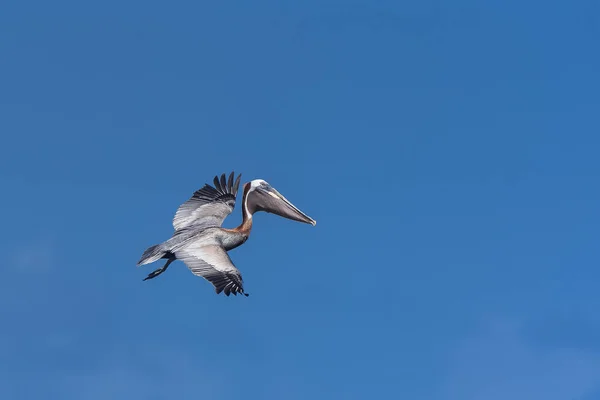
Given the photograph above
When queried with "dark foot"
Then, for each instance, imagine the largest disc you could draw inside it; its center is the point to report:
(160, 270)
(155, 274)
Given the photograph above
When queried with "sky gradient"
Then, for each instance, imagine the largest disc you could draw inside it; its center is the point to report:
(448, 151)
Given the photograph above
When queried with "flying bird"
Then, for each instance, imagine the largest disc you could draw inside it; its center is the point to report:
(202, 243)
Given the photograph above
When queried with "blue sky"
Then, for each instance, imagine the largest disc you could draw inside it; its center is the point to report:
(448, 151)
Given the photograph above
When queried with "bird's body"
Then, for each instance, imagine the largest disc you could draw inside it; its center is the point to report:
(200, 241)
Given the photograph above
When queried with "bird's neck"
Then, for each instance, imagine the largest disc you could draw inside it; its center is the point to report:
(239, 234)
(246, 226)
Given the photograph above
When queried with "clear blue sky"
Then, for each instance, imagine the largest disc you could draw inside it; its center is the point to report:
(447, 150)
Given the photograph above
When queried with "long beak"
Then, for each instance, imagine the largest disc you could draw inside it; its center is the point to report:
(284, 208)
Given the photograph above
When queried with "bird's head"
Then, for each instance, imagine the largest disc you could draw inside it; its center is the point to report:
(261, 196)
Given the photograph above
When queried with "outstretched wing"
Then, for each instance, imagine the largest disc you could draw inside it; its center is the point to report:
(213, 264)
(209, 205)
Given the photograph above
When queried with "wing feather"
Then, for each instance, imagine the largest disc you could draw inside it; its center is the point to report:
(223, 183)
(212, 263)
(230, 184)
(208, 206)
(236, 185)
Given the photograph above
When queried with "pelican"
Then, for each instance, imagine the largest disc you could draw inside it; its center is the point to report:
(200, 241)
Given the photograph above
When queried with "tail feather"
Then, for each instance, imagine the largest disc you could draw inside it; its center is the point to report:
(153, 253)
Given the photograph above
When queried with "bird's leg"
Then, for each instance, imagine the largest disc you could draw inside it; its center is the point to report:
(160, 270)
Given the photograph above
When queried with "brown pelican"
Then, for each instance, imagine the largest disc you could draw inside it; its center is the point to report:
(200, 241)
